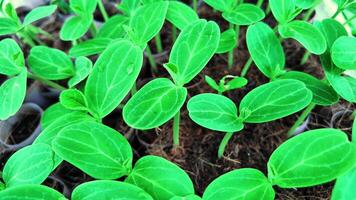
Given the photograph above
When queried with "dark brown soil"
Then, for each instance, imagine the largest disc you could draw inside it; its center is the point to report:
(197, 154)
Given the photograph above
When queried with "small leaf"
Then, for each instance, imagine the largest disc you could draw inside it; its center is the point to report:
(73, 99)
(222, 5)
(12, 60)
(188, 197)
(33, 192)
(284, 12)
(83, 67)
(103, 189)
(228, 41)
(29, 165)
(114, 74)
(90, 47)
(194, 47)
(128, 7)
(12, 94)
(236, 82)
(154, 104)
(244, 14)
(39, 13)
(343, 52)
(323, 94)
(54, 113)
(240, 184)
(305, 33)
(265, 49)
(311, 158)
(75, 27)
(10, 11)
(160, 178)
(211, 82)
(8, 26)
(50, 63)
(274, 100)
(306, 4)
(332, 30)
(215, 112)
(180, 15)
(107, 155)
(113, 28)
(345, 186)
(83, 7)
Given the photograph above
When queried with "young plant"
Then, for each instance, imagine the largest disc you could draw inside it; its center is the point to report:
(161, 99)
(223, 86)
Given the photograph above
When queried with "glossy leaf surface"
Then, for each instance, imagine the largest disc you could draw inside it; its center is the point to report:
(90, 47)
(228, 41)
(244, 14)
(11, 58)
(39, 13)
(343, 53)
(73, 99)
(33, 192)
(83, 67)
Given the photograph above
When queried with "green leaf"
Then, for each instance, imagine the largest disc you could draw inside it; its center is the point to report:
(73, 99)
(188, 197)
(331, 29)
(90, 47)
(160, 178)
(240, 184)
(83, 7)
(311, 158)
(103, 189)
(284, 12)
(193, 49)
(54, 113)
(323, 94)
(11, 58)
(8, 26)
(148, 20)
(180, 15)
(75, 27)
(343, 52)
(154, 104)
(114, 74)
(354, 129)
(306, 4)
(29, 165)
(244, 14)
(265, 49)
(306, 34)
(345, 186)
(341, 3)
(50, 63)
(113, 28)
(10, 11)
(128, 7)
(33, 192)
(274, 100)
(83, 67)
(235, 83)
(107, 155)
(12, 94)
(228, 41)
(222, 5)
(39, 13)
(211, 82)
(214, 112)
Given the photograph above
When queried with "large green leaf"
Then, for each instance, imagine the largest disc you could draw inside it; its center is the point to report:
(306, 4)
(128, 7)
(284, 11)
(244, 14)
(83, 67)
(8, 26)
(113, 28)
(98, 150)
(343, 52)
(222, 5)
(160, 178)
(114, 74)
(345, 185)
(30, 165)
(323, 94)
(240, 184)
(90, 47)
(214, 112)
(83, 7)
(103, 189)
(33, 192)
(331, 29)
(193, 49)
(12, 94)
(265, 49)
(306, 34)
(75, 27)
(188, 197)
(73, 99)
(311, 158)
(11, 58)
(154, 104)
(180, 15)
(274, 100)
(50, 63)
(228, 41)
(39, 13)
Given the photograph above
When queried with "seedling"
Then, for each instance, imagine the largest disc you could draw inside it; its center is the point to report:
(223, 86)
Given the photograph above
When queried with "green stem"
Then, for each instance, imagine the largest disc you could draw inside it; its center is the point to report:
(195, 5)
(305, 58)
(301, 119)
(268, 9)
(134, 89)
(174, 33)
(93, 29)
(102, 10)
(246, 67)
(223, 144)
(44, 81)
(259, 3)
(176, 120)
(159, 43)
(336, 13)
(230, 59)
(151, 59)
(308, 14)
(349, 20)
(27, 39)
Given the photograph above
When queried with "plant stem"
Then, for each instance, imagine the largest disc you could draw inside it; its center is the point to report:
(102, 10)
(308, 14)
(230, 58)
(195, 5)
(158, 43)
(93, 29)
(349, 20)
(336, 13)
(151, 59)
(259, 3)
(301, 119)
(134, 89)
(44, 81)
(174, 33)
(305, 58)
(176, 120)
(27, 39)
(246, 67)
(268, 9)
(223, 144)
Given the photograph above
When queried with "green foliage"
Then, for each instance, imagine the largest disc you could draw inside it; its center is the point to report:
(332, 30)
(73, 99)
(8, 26)
(103, 189)
(113, 28)
(235, 82)
(228, 41)
(50, 63)
(306, 4)
(345, 186)
(128, 7)
(284, 12)
(33, 192)
(11, 58)
(180, 15)
(188, 197)
(39, 13)
(30, 165)
(107, 155)
(83, 7)
(241, 184)
(83, 67)
(53, 113)
(312, 158)
(154, 104)
(221, 5)
(75, 27)
(265, 49)
(244, 14)
(160, 178)
(343, 52)
(90, 47)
